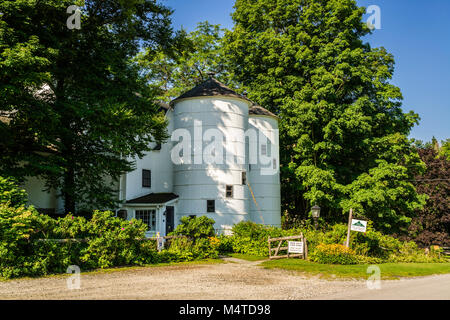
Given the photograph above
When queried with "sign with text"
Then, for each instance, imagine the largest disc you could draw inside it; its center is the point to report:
(295, 247)
(359, 225)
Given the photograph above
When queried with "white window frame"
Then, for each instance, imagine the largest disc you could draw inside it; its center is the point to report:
(152, 219)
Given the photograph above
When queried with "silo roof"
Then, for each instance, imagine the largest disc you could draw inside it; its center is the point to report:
(260, 111)
(211, 87)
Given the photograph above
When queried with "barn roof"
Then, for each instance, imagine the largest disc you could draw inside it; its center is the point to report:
(154, 198)
(211, 87)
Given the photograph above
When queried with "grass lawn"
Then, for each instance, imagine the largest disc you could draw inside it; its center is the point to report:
(247, 257)
(388, 270)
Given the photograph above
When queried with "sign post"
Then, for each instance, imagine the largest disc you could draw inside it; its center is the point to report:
(350, 215)
(359, 225)
(295, 246)
(159, 242)
(354, 225)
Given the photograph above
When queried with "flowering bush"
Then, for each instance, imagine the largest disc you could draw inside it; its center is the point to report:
(334, 254)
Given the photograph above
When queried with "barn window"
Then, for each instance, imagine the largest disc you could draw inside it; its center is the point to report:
(244, 178)
(229, 191)
(148, 217)
(146, 178)
(264, 149)
(210, 206)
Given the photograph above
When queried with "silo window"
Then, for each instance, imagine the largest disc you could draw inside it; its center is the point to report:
(264, 149)
(229, 191)
(210, 206)
(146, 178)
(122, 214)
(157, 147)
(244, 178)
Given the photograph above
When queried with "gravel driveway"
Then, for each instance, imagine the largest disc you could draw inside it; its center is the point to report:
(237, 279)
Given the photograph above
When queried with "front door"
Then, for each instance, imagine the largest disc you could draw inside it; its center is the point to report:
(170, 219)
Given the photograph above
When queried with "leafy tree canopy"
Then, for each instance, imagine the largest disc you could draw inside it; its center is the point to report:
(74, 106)
(342, 129)
(196, 55)
(11, 194)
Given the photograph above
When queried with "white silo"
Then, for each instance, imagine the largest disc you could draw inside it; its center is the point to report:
(204, 188)
(264, 176)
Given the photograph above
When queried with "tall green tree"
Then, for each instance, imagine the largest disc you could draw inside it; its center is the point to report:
(75, 108)
(342, 130)
(192, 58)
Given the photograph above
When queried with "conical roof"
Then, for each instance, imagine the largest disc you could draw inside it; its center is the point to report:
(209, 88)
(260, 111)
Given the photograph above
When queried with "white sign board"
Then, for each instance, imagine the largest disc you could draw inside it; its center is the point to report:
(160, 243)
(295, 247)
(359, 225)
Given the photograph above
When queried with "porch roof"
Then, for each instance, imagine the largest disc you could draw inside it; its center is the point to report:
(154, 198)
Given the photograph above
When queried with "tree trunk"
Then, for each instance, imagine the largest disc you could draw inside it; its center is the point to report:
(69, 191)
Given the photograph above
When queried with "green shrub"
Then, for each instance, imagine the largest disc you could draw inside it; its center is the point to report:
(195, 227)
(200, 241)
(112, 241)
(11, 193)
(251, 238)
(371, 247)
(334, 254)
(225, 244)
(19, 226)
(108, 241)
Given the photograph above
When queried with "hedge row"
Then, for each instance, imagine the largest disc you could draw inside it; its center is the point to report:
(370, 247)
(110, 242)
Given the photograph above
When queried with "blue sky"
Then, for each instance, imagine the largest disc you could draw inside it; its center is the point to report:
(416, 32)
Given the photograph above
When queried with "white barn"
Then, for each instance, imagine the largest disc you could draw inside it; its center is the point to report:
(169, 183)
